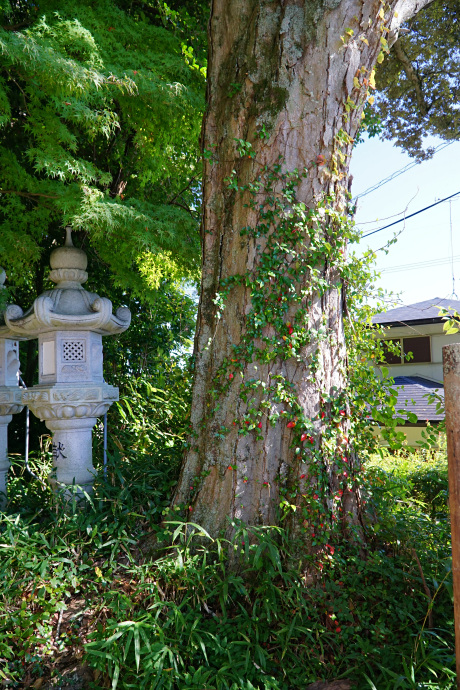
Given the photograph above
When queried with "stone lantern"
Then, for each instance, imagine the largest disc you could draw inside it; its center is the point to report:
(69, 323)
(10, 395)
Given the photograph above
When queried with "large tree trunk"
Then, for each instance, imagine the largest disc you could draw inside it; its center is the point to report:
(290, 77)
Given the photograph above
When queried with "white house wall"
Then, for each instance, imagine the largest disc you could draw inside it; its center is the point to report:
(429, 370)
(414, 438)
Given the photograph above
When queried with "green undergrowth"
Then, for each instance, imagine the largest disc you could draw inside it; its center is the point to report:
(422, 472)
(77, 590)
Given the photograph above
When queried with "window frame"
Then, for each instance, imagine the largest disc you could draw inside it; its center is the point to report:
(401, 339)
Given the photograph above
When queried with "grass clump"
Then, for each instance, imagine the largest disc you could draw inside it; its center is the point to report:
(79, 593)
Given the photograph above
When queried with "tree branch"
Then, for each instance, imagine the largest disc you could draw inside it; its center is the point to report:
(15, 27)
(412, 75)
(403, 11)
(192, 179)
(28, 195)
(185, 208)
(21, 90)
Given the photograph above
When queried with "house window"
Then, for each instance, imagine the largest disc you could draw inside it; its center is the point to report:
(393, 355)
(411, 350)
(419, 347)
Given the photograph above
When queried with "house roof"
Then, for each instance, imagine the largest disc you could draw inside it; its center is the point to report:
(418, 313)
(412, 396)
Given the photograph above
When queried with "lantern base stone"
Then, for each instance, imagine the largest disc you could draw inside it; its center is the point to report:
(4, 462)
(72, 453)
(10, 404)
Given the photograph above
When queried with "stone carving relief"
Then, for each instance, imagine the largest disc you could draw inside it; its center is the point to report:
(69, 410)
(10, 400)
(12, 408)
(68, 402)
(73, 369)
(31, 396)
(77, 394)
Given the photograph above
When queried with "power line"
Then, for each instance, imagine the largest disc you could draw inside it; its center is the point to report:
(396, 174)
(454, 294)
(402, 220)
(422, 264)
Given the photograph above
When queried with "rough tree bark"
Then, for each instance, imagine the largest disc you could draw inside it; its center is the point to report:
(291, 78)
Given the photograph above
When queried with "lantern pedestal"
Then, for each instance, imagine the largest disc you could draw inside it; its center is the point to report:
(10, 404)
(70, 413)
(10, 400)
(4, 462)
(72, 453)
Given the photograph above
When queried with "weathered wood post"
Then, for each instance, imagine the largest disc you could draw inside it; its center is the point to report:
(451, 363)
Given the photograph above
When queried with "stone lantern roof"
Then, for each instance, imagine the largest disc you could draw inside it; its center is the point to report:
(68, 306)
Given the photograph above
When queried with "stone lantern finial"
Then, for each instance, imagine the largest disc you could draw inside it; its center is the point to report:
(68, 264)
(68, 236)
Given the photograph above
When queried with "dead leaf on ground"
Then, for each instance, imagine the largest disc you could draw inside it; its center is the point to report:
(331, 685)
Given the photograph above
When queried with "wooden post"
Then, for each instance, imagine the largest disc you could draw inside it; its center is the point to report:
(451, 363)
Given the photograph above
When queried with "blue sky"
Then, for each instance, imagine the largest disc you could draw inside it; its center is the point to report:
(423, 238)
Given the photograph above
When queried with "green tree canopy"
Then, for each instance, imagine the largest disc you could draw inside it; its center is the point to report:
(100, 110)
(419, 83)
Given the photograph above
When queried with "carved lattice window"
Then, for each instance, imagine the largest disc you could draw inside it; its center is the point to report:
(73, 351)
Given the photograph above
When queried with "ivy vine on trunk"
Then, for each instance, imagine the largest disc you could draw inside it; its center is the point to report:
(271, 415)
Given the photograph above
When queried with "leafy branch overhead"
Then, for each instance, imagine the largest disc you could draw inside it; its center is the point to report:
(419, 82)
(100, 110)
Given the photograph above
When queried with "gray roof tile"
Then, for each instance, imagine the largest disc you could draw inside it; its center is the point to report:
(412, 396)
(420, 312)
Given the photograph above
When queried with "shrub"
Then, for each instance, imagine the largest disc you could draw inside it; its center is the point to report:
(76, 586)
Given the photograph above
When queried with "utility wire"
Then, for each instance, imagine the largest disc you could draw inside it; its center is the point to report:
(422, 264)
(401, 220)
(396, 174)
(26, 457)
(454, 294)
